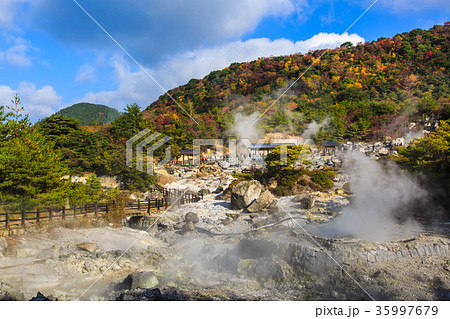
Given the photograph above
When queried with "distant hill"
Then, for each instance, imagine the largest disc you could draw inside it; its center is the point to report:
(88, 113)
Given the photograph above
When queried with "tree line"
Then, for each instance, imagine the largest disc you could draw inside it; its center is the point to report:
(37, 161)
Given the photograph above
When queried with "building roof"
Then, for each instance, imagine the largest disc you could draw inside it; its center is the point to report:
(190, 152)
(330, 144)
(268, 146)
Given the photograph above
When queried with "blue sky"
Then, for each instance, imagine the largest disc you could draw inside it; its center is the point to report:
(53, 55)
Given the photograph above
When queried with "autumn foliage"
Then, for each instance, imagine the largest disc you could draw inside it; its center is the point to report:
(367, 90)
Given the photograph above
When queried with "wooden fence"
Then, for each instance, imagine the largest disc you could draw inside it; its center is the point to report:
(168, 198)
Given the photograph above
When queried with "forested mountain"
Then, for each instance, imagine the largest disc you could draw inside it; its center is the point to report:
(88, 113)
(366, 91)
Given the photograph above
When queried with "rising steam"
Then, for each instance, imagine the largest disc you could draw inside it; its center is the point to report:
(245, 129)
(379, 195)
(312, 129)
(410, 136)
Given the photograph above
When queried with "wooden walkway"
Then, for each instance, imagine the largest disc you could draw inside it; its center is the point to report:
(167, 198)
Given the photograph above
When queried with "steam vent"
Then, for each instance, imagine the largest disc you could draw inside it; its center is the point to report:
(234, 240)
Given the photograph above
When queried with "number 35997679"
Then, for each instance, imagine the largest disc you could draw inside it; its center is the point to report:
(407, 310)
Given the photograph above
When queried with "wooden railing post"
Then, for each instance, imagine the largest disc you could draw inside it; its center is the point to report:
(74, 211)
(23, 217)
(139, 205)
(157, 204)
(50, 214)
(106, 208)
(7, 219)
(64, 213)
(96, 209)
(38, 215)
(148, 206)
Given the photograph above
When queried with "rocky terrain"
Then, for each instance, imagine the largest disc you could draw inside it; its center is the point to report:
(239, 246)
(270, 264)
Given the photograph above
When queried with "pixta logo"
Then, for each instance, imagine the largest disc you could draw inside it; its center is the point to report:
(143, 144)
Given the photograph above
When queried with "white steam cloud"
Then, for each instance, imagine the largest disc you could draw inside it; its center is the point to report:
(244, 128)
(312, 129)
(410, 136)
(378, 195)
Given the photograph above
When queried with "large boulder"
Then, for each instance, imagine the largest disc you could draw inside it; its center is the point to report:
(89, 247)
(8, 293)
(165, 179)
(263, 201)
(266, 270)
(244, 193)
(191, 217)
(188, 227)
(41, 297)
(142, 294)
(145, 280)
(6, 296)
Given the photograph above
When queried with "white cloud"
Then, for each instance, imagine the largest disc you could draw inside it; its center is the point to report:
(242, 16)
(6, 17)
(37, 102)
(7, 13)
(138, 87)
(86, 74)
(154, 29)
(132, 87)
(6, 95)
(406, 6)
(198, 63)
(17, 54)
